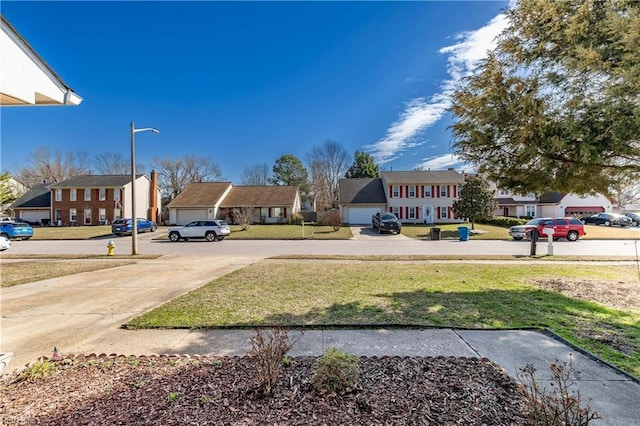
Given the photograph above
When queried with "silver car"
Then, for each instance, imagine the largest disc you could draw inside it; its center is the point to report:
(210, 230)
(5, 243)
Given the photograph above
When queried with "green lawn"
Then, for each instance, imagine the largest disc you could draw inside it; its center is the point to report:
(70, 232)
(301, 293)
(289, 232)
(450, 231)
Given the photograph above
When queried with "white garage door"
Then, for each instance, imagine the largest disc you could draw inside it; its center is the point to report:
(34, 215)
(184, 216)
(361, 215)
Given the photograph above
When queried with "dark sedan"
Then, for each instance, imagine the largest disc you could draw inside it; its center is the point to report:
(607, 219)
(635, 218)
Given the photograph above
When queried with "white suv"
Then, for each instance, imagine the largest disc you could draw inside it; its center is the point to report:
(210, 230)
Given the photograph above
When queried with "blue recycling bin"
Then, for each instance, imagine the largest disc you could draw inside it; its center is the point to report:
(464, 233)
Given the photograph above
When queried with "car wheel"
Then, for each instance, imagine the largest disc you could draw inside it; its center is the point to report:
(517, 238)
(572, 236)
(174, 236)
(26, 238)
(210, 236)
(154, 228)
(634, 223)
(607, 223)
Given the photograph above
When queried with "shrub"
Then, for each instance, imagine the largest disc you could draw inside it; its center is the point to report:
(268, 351)
(559, 406)
(330, 218)
(336, 372)
(296, 219)
(503, 221)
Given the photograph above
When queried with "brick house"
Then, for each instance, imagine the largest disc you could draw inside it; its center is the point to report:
(101, 199)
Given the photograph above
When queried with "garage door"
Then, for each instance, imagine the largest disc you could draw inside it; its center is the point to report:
(34, 216)
(184, 216)
(361, 215)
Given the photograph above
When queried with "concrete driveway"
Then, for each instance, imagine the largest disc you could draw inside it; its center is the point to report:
(367, 233)
(68, 311)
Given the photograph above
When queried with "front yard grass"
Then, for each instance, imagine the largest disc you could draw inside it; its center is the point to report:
(22, 272)
(70, 232)
(299, 293)
(450, 231)
(289, 232)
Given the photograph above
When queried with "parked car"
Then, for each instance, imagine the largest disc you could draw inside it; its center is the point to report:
(570, 228)
(635, 218)
(210, 230)
(386, 222)
(5, 243)
(607, 219)
(124, 227)
(7, 219)
(16, 230)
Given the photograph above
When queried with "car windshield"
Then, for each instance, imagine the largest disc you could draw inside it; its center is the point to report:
(223, 223)
(388, 217)
(535, 222)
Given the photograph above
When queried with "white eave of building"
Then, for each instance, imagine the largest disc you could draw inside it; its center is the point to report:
(25, 78)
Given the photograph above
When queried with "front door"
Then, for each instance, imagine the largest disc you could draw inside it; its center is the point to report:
(427, 214)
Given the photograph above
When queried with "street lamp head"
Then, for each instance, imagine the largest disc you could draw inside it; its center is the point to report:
(154, 130)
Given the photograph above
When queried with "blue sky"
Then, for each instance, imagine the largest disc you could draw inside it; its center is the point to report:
(246, 82)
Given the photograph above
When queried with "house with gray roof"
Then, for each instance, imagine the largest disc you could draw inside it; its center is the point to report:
(101, 199)
(34, 206)
(413, 196)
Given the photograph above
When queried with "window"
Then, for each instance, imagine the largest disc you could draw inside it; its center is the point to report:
(443, 212)
(396, 191)
(530, 210)
(73, 215)
(412, 212)
(427, 191)
(396, 211)
(102, 194)
(277, 212)
(73, 194)
(87, 216)
(443, 190)
(412, 191)
(102, 215)
(503, 192)
(116, 195)
(58, 194)
(87, 194)
(58, 215)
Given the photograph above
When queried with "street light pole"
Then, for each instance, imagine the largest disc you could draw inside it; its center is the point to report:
(134, 218)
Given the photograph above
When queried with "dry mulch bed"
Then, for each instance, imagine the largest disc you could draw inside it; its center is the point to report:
(223, 391)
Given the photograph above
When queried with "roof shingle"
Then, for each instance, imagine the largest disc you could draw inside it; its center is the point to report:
(200, 194)
(362, 191)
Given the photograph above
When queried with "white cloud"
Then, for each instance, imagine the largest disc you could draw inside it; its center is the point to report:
(441, 162)
(421, 113)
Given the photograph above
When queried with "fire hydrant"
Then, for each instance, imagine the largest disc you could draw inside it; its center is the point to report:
(111, 246)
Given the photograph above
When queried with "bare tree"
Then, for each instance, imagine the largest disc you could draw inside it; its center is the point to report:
(256, 175)
(244, 216)
(327, 164)
(174, 174)
(626, 191)
(45, 166)
(112, 163)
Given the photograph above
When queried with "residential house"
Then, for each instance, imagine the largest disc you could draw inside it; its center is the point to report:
(217, 200)
(26, 78)
(551, 204)
(13, 186)
(271, 204)
(101, 199)
(34, 205)
(199, 200)
(360, 198)
(413, 196)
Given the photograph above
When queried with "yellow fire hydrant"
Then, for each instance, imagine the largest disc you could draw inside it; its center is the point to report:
(111, 246)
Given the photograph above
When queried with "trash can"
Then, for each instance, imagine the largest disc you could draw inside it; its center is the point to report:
(464, 233)
(435, 233)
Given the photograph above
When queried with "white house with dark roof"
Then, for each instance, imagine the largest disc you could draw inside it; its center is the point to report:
(413, 196)
(34, 206)
(552, 204)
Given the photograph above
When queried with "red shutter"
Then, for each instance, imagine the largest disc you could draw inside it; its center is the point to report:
(449, 212)
(417, 212)
(390, 191)
(406, 191)
(433, 191)
(400, 190)
(390, 209)
(448, 191)
(406, 210)
(438, 213)
(399, 212)
(421, 191)
(455, 191)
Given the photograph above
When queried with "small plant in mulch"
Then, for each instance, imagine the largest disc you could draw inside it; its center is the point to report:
(268, 354)
(557, 405)
(336, 372)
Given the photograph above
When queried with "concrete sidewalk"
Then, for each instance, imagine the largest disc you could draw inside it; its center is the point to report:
(615, 396)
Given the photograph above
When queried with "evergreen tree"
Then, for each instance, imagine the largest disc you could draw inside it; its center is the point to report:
(475, 200)
(363, 166)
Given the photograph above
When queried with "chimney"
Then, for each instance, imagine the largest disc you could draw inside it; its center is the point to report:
(152, 213)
